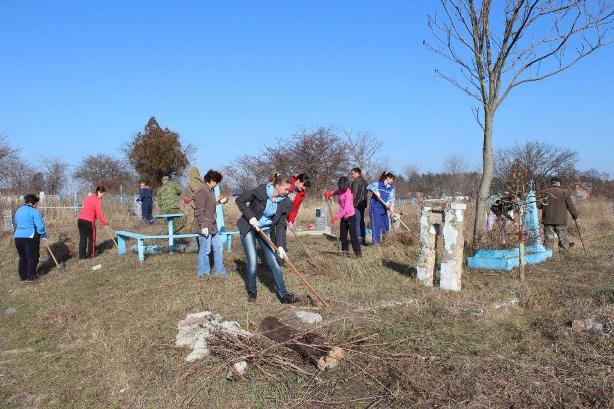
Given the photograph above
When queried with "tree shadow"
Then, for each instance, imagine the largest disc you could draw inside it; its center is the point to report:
(262, 274)
(60, 250)
(401, 268)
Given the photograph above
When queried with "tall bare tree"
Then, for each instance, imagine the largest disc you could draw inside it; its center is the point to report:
(499, 45)
(363, 149)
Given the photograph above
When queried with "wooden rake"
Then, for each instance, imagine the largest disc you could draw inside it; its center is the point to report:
(295, 270)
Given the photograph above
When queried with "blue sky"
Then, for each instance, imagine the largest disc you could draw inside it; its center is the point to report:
(81, 77)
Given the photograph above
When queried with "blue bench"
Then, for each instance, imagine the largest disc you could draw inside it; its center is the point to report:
(123, 236)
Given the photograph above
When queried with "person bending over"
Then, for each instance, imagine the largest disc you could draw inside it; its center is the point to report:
(264, 210)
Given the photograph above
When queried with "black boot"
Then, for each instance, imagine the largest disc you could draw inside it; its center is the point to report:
(251, 297)
(288, 299)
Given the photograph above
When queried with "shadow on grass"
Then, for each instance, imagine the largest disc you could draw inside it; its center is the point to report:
(262, 274)
(60, 250)
(104, 246)
(401, 268)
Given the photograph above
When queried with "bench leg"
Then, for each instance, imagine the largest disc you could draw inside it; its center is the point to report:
(229, 243)
(121, 245)
(141, 249)
(171, 239)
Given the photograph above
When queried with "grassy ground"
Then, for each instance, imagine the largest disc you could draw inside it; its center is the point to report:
(83, 338)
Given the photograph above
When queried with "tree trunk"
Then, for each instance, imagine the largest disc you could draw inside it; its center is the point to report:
(488, 169)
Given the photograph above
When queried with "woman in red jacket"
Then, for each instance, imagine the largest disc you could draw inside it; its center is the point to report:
(90, 212)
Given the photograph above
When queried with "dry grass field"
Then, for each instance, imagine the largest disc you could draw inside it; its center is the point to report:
(82, 338)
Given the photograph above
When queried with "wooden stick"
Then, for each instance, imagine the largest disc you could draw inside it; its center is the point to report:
(111, 236)
(386, 206)
(294, 269)
(51, 252)
(580, 235)
(306, 252)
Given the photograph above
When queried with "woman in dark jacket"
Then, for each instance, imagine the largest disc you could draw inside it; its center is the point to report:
(265, 208)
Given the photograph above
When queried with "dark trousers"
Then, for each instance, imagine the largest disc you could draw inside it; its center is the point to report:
(361, 229)
(86, 238)
(344, 226)
(146, 210)
(29, 252)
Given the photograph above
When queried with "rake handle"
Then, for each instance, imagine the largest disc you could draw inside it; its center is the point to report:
(385, 205)
(295, 270)
(111, 236)
(51, 253)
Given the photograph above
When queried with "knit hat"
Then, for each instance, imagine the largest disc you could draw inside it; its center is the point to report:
(555, 179)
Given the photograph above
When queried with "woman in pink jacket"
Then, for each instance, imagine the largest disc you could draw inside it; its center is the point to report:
(346, 216)
(90, 212)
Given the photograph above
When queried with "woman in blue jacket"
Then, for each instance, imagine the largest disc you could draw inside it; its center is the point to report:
(265, 208)
(29, 229)
(383, 191)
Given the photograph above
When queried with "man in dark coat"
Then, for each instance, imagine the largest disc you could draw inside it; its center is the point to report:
(555, 203)
(359, 192)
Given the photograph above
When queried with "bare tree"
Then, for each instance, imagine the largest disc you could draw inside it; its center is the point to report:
(37, 183)
(541, 161)
(457, 167)
(320, 153)
(363, 149)
(528, 40)
(411, 171)
(18, 177)
(8, 156)
(56, 175)
(104, 170)
(456, 164)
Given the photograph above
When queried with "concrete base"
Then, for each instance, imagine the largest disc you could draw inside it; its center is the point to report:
(508, 259)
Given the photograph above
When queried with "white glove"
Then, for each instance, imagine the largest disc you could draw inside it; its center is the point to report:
(281, 252)
(254, 222)
(205, 231)
(224, 200)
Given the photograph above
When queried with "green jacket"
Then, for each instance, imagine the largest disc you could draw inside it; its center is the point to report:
(169, 195)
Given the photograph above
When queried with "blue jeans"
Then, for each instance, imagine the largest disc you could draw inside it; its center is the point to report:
(205, 245)
(361, 230)
(249, 245)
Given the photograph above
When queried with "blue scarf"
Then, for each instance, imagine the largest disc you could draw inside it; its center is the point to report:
(271, 207)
